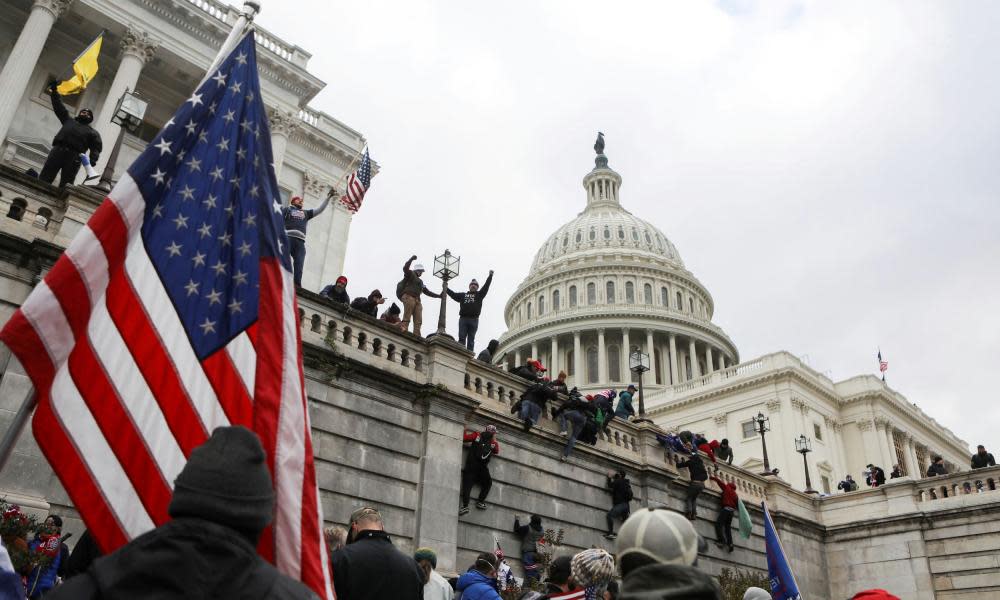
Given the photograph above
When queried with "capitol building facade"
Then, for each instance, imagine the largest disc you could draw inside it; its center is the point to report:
(607, 284)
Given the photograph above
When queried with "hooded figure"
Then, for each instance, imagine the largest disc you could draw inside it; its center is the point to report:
(391, 315)
(222, 501)
(74, 138)
(489, 355)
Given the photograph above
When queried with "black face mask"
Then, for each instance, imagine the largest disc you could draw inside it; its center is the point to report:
(85, 118)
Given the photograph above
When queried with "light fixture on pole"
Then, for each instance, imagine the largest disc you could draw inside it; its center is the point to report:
(763, 426)
(445, 268)
(128, 115)
(804, 446)
(638, 363)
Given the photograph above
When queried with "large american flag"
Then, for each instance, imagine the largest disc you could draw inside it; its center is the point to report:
(357, 185)
(172, 313)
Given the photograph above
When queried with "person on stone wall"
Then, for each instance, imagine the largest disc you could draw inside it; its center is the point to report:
(699, 475)
(369, 567)
(724, 522)
(937, 467)
(482, 447)
(531, 405)
(875, 476)
(489, 354)
(369, 305)
(409, 291)
(296, 219)
(531, 533)
(531, 370)
(337, 291)
(471, 306)
(391, 316)
(621, 494)
(723, 451)
(574, 413)
(897, 472)
(559, 383)
(74, 138)
(624, 410)
(982, 459)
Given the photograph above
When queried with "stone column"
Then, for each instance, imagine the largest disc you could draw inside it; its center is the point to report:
(911, 457)
(137, 49)
(892, 448)
(578, 377)
(283, 125)
(673, 359)
(651, 349)
(693, 355)
(887, 458)
(709, 363)
(517, 357)
(602, 358)
(554, 357)
(722, 360)
(534, 350)
(335, 254)
(869, 438)
(626, 344)
(24, 58)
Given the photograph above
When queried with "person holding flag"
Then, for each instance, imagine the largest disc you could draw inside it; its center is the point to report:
(75, 138)
(779, 572)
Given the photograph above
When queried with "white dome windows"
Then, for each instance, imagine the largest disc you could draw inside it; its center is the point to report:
(555, 300)
(593, 234)
(635, 235)
(621, 232)
(665, 296)
(592, 365)
(680, 301)
(591, 293)
(629, 292)
(610, 292)
(607, 232)
(579, 237)
(647, 293)
(529, 310)
(541, 305)
(572, 296)
(649, 240)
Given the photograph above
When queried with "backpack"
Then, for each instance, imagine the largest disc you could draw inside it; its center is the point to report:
(599, 417)
(399, 288)
(628, 491)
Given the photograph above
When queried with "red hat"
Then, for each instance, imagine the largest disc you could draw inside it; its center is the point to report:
(537, 364)
(874, 595)
(294, 198)
(341, 279)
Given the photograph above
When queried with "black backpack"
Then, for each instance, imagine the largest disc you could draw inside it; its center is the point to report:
(399, 288)
(628, 491)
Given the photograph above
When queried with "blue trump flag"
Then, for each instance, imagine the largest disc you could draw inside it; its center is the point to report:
(783, 586)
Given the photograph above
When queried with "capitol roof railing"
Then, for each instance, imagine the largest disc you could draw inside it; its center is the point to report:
(749, 369)
(228, 14)
(330, 125)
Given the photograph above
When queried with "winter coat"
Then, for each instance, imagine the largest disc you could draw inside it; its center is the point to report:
(575, 403)
(370, 568)
(669, 582)
(473, 585)
(981, 461)
(185, 558)
(366, 305)
(729, 495)
(529, 536)
(876, 477)
(471, 302)
(624, 409)
(480, 451)
(848, 485)
(724, 453)
(936, 469)
(525, 372)
(297, 219)
(336, 295)
(540, 394)
(413, 285)
(488, 355)
(621, 490)
(707, 449)
(41, 580)
(78, 137)
(695, 467)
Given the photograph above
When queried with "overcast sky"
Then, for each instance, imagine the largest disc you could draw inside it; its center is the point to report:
(830, 171)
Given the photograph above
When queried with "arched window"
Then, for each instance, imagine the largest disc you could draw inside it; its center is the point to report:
(664, 297)
(529, 310)
(572, 296)
(565, 240)
(647, 293)
(592, 365)
(614, 364)
(607, 233)
(591, 293)
(610, 292)
(17, 208)
(635, 234)
(579, 237)
(629, 292)
(680, 302)
(43, 218)
(691, 305)
(541, 305)
(648, 240)
(555, 300)
(570, 363)
(621, 232)
(593, 234)
(656, 366)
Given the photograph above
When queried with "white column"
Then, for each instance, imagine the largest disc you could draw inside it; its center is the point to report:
(24, 58)
(283, 124)
(137, 49)
(709, 363)
(578, 377)
(335, 252)
(626, 343)
(693, 356)
(873, 449)
(911, 457)
(722, 360)
(534, 350)
(554, 357)
(673, 358)
(651, 350)
(517, 357)
(602, 359)
(891, 447)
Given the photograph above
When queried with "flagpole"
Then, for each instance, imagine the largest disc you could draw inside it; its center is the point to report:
(250, 10)
(13, 432)
(349, 169)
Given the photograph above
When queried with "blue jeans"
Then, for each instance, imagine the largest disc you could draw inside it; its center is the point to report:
(467, 327)
(530, 562)
(577, 420)
(530, 412)
(618, 511)
(297, 248)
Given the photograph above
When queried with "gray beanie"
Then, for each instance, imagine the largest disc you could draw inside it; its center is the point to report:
(656, 535)
(226, 481)
(755, 593)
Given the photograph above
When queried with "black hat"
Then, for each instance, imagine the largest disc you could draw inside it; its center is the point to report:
(560, 570)
(226, 481)
(536, 520)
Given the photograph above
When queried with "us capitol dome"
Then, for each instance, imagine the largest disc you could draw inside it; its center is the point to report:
(604, 285)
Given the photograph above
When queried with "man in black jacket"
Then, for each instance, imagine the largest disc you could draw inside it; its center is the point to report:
(876, 476)
(222, 501)
(468, 314)
(982, 459)
(74, 138)
(370, 568)
(937, 467)
(699, 475)
(369, 305)
(621, 494)
(574, 412)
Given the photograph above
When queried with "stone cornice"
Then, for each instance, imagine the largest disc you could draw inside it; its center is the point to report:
(930, 429)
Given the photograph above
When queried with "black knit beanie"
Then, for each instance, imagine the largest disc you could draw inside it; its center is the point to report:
(226, 481)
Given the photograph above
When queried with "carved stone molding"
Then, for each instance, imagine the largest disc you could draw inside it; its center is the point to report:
(282, 122)
(800, 405)
(865, 425)
(138, 43)
(830, 421)
(721, 419)
(56, 7)
(774, 406)
(315, 185)
(882, 423)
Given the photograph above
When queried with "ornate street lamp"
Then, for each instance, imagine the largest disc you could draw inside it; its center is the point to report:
(128, 115)
(804, 446)
(445, 268)
(763, 426)
(638, 363)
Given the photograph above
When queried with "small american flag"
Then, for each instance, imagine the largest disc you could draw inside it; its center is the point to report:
(357, 185)
(883, 365)
(173, 313)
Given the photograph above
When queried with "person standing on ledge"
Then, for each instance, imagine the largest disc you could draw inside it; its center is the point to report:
(471, 306)
(74, 138)
(409, 290)
(296, 219)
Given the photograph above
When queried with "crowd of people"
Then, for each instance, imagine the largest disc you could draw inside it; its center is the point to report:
(874, 475)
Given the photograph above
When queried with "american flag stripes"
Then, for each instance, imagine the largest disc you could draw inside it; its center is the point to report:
(357, 185)
(883, 365)
(172, 313)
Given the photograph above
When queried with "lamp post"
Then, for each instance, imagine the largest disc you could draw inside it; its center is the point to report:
(638, 363)
(446, 268)
(128, 115)
(804, 446)
(763, 426)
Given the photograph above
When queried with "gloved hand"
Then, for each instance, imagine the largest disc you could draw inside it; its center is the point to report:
(53, 87)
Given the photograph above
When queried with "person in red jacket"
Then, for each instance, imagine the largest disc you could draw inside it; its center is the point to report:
(482, 446)
(724, 522)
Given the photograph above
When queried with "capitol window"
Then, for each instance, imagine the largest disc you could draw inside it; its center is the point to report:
(635, 234)
(579, 237)
(555, 300)
(610, 292)
(572, 295)
(565, 240)
(621, 232)
(664, 297)
(691, 305)
(749, 429)
(817, 432)
(629, 292)
(647, 293)
(591, 293)
(593, 234)
(592, 365)
(680, 302)
(529, 310)
(541, 305)
(648, 240)
(614, 364)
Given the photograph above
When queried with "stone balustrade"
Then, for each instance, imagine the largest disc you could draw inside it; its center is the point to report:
(767, 362)
(964, 483)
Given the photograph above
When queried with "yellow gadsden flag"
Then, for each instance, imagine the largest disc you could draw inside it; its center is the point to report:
(84, 69)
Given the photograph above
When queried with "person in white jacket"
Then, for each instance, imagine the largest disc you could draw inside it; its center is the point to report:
(436, 587)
